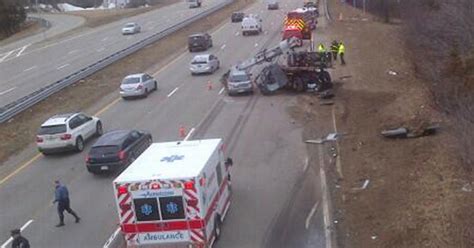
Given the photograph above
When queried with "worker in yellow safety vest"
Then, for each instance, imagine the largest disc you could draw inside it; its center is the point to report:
(341, 51)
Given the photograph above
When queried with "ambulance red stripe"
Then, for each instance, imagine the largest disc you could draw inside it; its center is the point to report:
(162, 226)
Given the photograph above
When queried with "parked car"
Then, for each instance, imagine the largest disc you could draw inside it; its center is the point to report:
(131, 28)
(251, 24)
(115, 150)
(204, 63)
(194, 3)
(199, 42)
(273, 5)
(239, 81)
(137, 85)
(237, 16)
(67, 132)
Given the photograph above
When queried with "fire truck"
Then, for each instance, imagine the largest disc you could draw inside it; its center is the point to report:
(175, 194)
(299, 23)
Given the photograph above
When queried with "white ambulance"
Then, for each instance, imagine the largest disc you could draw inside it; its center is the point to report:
(175, 194)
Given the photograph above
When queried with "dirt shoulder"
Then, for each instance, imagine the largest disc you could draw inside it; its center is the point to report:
(18, 133)
(414, 195)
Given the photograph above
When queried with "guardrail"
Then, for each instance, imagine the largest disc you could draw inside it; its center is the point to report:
(10, 110)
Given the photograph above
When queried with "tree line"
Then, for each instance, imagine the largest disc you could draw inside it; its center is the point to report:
(12, 16)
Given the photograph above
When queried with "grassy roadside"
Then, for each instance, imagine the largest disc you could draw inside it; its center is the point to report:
(19, 132)
(414, 196)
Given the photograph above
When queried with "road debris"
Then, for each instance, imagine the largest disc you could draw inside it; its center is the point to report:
(467, 187)
(393, 73)
(366, 183)
(403, 132)
(329, 137)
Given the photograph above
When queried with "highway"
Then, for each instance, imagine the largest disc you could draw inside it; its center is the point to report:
(29, 67)
(276, 199)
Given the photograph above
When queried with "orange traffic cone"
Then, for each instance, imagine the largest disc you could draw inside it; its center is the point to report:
(182, 131)
(209, 85)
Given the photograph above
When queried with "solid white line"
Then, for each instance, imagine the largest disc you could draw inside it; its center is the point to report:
(112, 237)
(327, 225)
(222, 90)
(59, 68)
(22, 50)
(338, 158)
(172, 92)
(306, 164)
(31, 68)
(6, 91)
(310, 215)
(21, 229)
(189, 134)
(4, 57)
(222, 47)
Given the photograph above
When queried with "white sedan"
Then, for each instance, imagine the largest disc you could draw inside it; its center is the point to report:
(131, 28)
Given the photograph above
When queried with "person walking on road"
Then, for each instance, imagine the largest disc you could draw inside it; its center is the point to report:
(322, 52)
(341, 51)
(18, 240)
(334, 49)
(61, 196)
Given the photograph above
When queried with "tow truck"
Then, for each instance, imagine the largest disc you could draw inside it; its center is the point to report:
(298, 70)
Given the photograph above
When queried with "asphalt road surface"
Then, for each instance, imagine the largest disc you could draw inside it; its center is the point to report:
(27, 68)
(276, 199)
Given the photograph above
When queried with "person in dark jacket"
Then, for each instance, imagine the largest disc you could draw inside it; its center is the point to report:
(61, 196)
(18, 240)
(334, 49)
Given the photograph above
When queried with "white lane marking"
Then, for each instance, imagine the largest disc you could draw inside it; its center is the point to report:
(22, 50)
(222, 47)
(237, 33)
(31, 68)
(4, 57)
(172, 92)
(222, 90)
(100, 49)
(306, 164)
(310, 215)
(327, 221)
(256, 44)
(338, 158)
(21, 229)
(106, 38)
(6, 91)
(189, 134)
(59, 68)
(112, 238)
(73, 51)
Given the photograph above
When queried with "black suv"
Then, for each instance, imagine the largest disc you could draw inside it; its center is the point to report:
(199, 42)
(116, 150)
(237, 16)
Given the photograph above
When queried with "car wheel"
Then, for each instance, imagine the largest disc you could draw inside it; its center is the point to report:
(156, 85)
(217, 227)
(46, 153)
(98, 129)
(79, 144)
(146, 93)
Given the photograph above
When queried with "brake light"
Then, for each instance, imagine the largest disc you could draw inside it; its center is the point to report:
(155, 186)
(122, 190)
(122, 155)
(189, 185)
(39, 139)
(66, 136)
(140, 86)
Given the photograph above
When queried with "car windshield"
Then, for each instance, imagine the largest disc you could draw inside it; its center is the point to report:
(130, 25)
(199, 60)
(100, 150)
(54, 129)
(131, 80)
(196, 38)
(239, 78)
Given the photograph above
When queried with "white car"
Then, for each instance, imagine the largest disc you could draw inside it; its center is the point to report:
(67, 132)
(204, 63)
(251, 24)
(137, 85)
(131, 28)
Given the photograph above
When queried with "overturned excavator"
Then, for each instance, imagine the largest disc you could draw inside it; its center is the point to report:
(300, 70)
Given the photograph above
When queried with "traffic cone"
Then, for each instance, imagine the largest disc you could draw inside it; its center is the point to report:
(182, 131)
(209, 85)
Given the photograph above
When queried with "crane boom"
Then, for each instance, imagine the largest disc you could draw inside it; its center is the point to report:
(267, 55)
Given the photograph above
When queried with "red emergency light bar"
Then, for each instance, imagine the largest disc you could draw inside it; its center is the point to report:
(122, 190)
(189, 185)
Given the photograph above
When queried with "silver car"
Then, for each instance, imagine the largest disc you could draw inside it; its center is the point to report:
(204, 63)
(239, 81)
(137, 85)
(131, 28)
